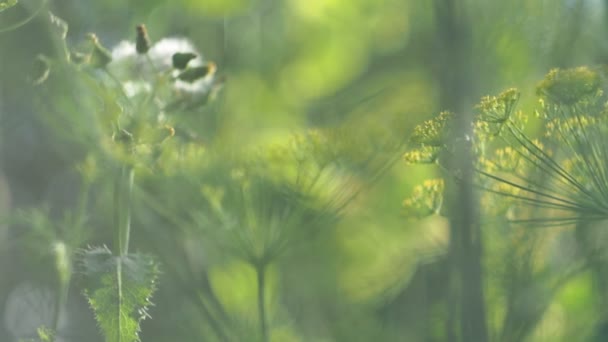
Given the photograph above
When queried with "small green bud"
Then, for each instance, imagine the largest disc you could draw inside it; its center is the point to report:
(181, 59)
(193, 74)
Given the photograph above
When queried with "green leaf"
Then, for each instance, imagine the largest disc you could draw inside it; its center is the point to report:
(119, 289)
(6, 4)
(100, 56)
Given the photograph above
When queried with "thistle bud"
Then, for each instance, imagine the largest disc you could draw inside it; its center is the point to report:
(142, 41)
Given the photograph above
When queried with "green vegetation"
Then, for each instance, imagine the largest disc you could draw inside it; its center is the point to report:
(273, 171)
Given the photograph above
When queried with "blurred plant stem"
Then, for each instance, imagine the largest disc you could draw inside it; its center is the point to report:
(260, 270)
(63, 252)
(587, 239)
(465, 290)
(122, 208)
(572, 28)
(62, 297)
(202, 295)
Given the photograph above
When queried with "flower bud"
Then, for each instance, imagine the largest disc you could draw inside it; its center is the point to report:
(142, 41)
(181, 59)
(193, 74)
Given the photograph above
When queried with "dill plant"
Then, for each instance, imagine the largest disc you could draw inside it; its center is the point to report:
(255, 209)
(555, 177)
(562, 173)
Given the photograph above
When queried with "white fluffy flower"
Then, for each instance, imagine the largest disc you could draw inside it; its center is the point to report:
(136, 72)
(162, 52)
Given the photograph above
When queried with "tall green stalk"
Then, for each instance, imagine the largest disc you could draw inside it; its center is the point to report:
(63, 286)
(465, 289)
(260, 270)
(122, 208)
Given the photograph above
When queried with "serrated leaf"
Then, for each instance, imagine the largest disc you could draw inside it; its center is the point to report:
(119, 289)
(6, 4)
(60, 25)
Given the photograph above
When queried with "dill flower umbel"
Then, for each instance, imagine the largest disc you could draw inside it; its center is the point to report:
(563, 174)
(426, 199)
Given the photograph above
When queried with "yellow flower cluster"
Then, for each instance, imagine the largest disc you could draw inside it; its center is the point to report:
(422, 155)
(569, 86)
(426, 199)
(497, 109)
(560, 128)
(507, 159)
(432, 132)
(494, 112)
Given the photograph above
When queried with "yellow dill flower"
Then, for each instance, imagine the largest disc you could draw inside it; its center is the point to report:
(426, 199)
(569, 86)
(432, 132)
(422, 155)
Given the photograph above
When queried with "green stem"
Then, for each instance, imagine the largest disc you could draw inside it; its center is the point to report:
(261, 275)
(158, 78)
(122, 201)
(115, 79)
(151, 62)
(62, 296)
(457, 87)
(119, 314)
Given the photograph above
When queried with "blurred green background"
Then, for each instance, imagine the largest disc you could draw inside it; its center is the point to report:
(366, 70)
